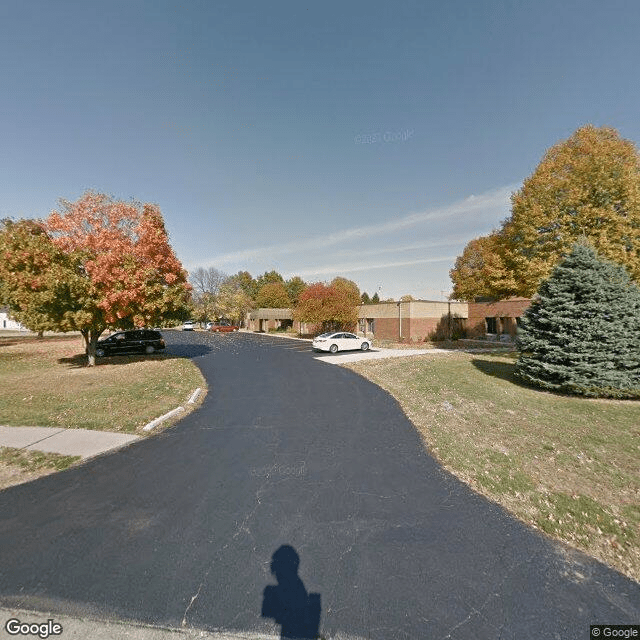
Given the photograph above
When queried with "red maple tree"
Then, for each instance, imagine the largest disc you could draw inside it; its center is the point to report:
(332, 306)
(132, 276)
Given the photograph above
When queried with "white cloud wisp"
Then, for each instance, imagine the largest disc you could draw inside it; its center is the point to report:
(497, 199)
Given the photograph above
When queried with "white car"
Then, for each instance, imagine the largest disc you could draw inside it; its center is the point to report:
(340, 341)
(189, 325)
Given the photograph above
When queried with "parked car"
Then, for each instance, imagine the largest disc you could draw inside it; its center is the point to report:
(136, 341)
(189, 325)
(340, 341)
(223, 326)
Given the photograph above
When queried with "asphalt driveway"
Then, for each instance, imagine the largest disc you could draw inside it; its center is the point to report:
(292, 457)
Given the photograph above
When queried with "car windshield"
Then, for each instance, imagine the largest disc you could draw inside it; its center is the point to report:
(326, 335)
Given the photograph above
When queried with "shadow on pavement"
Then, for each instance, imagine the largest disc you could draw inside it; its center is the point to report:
(288, 602)
(187, 350)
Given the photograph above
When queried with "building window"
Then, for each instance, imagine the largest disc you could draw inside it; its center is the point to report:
(371, 323)
(361, 325)
(491, 325)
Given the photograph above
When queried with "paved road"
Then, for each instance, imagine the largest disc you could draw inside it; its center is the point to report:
(290, 456)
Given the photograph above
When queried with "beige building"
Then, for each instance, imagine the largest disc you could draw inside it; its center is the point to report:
(264, 320)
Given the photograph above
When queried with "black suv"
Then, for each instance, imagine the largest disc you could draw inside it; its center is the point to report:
(136, 341)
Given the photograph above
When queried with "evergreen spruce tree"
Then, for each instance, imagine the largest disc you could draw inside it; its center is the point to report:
(582, 333)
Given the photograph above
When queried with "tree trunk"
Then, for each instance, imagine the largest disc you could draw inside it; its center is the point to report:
(85, 339)
(90, 343)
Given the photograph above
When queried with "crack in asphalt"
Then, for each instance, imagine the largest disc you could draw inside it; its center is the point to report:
(495, 593)
(239, 529)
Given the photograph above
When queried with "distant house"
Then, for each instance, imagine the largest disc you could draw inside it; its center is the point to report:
(263, 320)
(495, 319)
(6, 322)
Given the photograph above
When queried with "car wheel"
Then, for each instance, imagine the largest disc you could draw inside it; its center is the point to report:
(100, 353)
(364, 346)
(333, 348)
(149, 349)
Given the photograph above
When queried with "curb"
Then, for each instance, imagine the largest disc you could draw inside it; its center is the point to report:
(174, 412)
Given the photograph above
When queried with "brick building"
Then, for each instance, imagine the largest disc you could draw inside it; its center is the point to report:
(411, 321)
(495, 318)
(399, 321)
(416, 320)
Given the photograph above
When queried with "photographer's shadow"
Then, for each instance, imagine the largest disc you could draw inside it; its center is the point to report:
(288, 602)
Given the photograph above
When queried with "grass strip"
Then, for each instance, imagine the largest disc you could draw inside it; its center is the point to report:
(36, 460)
(567, 466)
(19, 465)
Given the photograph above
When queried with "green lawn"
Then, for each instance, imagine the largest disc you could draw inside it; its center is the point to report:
(45, 383)
(568, 466)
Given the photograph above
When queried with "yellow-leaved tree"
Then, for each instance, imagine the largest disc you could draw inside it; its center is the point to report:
(587, 186)
(481, 270)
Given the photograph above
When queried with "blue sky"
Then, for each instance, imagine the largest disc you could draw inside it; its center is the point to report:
(370, 140)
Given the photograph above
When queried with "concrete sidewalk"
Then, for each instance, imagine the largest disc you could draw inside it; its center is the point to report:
(376, 354)
(70, 442)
